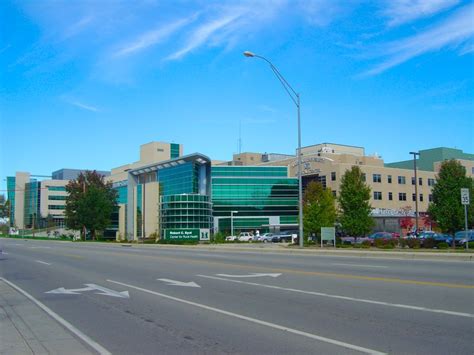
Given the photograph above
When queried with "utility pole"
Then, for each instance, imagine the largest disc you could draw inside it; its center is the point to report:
(416, 190)
(84, 192)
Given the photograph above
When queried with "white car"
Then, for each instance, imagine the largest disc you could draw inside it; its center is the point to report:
(231, 238)
(266, 238)
(245, 237)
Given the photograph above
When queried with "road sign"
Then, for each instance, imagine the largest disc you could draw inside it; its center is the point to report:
(181, 235)
(328, 233)
(465, 196)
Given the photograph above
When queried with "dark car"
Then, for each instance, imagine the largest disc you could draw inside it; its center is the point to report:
(377, 235)
(436, 237)
(284, 236)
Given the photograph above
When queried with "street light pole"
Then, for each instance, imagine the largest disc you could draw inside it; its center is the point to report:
(232, 222)
(295, 97)
(416, 190)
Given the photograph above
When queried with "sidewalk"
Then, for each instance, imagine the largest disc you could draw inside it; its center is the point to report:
(26, 329)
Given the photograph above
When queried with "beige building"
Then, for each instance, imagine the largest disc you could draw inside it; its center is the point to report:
(392, 188)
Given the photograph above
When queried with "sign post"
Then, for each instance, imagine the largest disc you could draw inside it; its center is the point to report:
(328, 233)
(465, 200)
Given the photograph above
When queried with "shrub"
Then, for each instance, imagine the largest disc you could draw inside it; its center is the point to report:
(470, 245)
(218, 238)
(429, 243)
(386, 243)
(443, 245)
(366, 244)
(358, 246)
(413, 243)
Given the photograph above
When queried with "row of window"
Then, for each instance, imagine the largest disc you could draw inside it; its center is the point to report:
(57, 198)
(56, 207)
(402, 196)
(56, 188)
(377, 178)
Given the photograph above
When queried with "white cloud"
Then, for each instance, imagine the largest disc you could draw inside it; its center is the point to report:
(81, 105)
(453, 32)
(403, 11)
(202, 34)
(152, 37)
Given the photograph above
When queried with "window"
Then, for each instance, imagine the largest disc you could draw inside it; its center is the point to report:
(334, 193)
(401, 180)
(377, 178)
(57, 198)
(430, 197)
(402, 196)
(389, 179)
(420, 181)
(377, 195)
(364, 177)
(413, 197)
(421, 197)
(390, 196)
(333, 176)
(412, 180)
(431, 182)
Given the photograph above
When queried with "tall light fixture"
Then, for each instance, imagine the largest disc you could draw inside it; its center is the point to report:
(295, 97)
(232, 222)
(415, 154)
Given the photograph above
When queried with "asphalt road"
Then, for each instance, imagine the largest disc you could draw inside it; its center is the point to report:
(130, 300)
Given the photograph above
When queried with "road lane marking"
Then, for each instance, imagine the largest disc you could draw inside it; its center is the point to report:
(40, 247)
(397, 305)
(91, 287)
(361, 265)
(42, 262)
(4, 253)
(254, 320)
(179, 283)
(94, 345)
(254, 274)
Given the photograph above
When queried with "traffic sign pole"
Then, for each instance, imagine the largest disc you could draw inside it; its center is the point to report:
(465, 200)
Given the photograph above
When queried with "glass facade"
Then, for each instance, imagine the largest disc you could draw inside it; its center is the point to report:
(180, 179)
(139, 211)
(256, 194)
(174, 150)
(186, 211)
(32, 204)
(57, 188)
(11, 186)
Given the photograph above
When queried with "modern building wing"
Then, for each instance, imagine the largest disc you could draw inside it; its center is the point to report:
(258, 197)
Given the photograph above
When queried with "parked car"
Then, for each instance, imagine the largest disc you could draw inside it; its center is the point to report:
(461, 238)
(378, 235)
(437, 237)
(231, 238)
(245, 237)
(266, 237)
(285, 236)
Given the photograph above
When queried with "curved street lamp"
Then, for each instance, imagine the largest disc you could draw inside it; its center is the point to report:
(295, 97)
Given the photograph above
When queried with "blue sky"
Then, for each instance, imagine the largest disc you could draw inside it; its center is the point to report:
(84, 83)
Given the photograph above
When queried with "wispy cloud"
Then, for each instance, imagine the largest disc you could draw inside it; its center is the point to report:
(266, 108)
(79, 104)
(403, 11)
(152, 37)
(202, 34)
(77, 27)
(453, 32)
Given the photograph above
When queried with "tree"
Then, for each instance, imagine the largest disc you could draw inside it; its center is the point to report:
(4, 207)
(446, 208)
(354, 203)
(90, 203)
(319, 208)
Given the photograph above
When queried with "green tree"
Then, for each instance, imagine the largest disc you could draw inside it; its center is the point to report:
(446, 208)
(354, 203)
(319, 209)
(90, 203)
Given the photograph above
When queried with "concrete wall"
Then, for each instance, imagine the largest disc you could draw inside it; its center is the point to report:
(21, 178)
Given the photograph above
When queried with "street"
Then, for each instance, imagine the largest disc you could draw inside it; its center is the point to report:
(151, 299)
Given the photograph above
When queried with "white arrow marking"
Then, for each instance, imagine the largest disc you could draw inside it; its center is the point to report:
(179, 283)
(251, 275)
(91, 287)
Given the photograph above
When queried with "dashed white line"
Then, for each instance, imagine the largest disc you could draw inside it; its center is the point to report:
(361, 265)
(254, 320)
(97, 347)
(416, 308)
(42, 262)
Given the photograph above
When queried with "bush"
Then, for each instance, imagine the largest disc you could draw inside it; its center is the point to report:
(366, 244)
(470, 245)
(443, 245)
(386, 243)
(429, 243)
(413, 243)
(218, 238)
